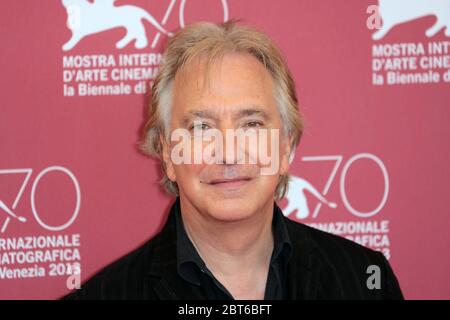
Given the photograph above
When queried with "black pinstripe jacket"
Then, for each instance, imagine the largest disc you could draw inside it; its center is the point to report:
(322, 266)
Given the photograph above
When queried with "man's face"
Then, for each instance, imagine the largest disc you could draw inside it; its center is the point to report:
(239, 96)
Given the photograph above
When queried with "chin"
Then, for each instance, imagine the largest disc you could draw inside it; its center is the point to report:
(230, 210)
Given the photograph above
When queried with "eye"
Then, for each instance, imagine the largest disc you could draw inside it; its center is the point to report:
(253, 124)
(199, 126)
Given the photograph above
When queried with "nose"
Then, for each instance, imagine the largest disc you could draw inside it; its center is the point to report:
(232, 153)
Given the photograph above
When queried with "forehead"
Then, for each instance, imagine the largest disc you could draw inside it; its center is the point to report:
(236, 81)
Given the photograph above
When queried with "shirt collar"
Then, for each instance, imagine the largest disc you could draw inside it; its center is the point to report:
(189, 261)
(282, 241)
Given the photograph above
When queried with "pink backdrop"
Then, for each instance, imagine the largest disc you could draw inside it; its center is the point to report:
(76, 193)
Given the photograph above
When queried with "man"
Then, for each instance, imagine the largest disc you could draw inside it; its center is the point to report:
(226, 237)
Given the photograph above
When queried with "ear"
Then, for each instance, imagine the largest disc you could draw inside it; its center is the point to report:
(166, 150)
(286, 154)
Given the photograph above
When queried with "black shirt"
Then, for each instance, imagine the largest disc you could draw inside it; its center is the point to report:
(192, 268)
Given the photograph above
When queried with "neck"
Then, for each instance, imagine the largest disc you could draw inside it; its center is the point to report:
(230, 248)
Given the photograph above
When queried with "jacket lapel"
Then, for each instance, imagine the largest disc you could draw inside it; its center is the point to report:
(304, 267)
(163, 280)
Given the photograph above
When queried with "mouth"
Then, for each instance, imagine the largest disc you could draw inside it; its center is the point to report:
(230, 183)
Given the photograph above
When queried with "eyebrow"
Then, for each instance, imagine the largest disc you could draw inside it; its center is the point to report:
(207, 114)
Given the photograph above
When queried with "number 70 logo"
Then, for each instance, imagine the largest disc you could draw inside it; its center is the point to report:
(10, 211)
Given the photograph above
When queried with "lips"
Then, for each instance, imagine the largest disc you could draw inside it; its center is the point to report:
(230, 183)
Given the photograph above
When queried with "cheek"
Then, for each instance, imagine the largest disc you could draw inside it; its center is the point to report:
(266, 184)
(269, 152)
(188, 174)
